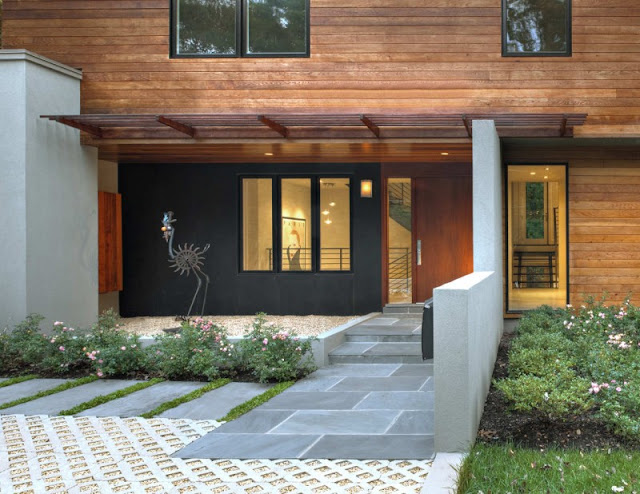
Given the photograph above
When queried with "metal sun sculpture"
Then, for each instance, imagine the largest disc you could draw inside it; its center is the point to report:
(185, 258)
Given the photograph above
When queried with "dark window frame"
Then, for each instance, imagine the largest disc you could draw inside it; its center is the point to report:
(506, 197)
(241, 36)
(276, 220)
(566, 53)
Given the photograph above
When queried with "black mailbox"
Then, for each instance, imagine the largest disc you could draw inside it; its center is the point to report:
(427, 330)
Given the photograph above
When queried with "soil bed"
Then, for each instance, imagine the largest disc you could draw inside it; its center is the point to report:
(500, 425)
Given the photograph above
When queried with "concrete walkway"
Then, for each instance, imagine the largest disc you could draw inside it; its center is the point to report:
(359, 411)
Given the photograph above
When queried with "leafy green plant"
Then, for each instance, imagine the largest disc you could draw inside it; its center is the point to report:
(200, 350)
(17, 380)
(272, 354)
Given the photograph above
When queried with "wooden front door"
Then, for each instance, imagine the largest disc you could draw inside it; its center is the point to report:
(442, 233)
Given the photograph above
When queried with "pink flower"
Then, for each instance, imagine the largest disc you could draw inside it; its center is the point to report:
(265, 341)
(99, 373)
(100, 361)
(613, 381)
(123, 348)
(605, 385)
(61, 348)
(298, 349)
(618, 389)
(264, 349)
(58, 323)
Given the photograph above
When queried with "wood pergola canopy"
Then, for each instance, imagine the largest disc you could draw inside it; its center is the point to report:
(317, 125)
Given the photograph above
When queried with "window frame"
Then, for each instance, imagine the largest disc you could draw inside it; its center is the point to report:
(566, 53)
(241, 36)
(276, 220)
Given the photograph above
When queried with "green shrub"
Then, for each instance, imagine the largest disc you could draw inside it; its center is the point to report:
(557, 396)
(112, 351)
(200, 350)
(272, 354)
(64, 354)
(25, 346)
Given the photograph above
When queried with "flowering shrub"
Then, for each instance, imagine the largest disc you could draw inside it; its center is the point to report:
(23, 348)
(201, 349)
(272, 354)
(565, 362)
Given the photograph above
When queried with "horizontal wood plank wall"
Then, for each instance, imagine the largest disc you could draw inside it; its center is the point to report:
(109, 242)
(366, 55)
(604, 219)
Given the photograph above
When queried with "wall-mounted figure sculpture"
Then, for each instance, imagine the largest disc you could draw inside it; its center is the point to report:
(186, 258)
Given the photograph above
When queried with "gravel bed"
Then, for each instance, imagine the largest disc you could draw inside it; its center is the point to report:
(240, 325)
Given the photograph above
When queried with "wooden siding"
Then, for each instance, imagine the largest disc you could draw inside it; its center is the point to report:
(109, 242)
(604, 218)
(366, 55)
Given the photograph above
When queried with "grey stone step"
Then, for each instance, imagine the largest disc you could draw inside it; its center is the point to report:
(377, 353)
(144, 400)
(27, 388)
(398, 309)
(217, 403)
(55, 403)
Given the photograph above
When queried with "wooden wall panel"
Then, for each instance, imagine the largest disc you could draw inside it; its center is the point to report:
(604, 219)
(109, 242)
(366, 55)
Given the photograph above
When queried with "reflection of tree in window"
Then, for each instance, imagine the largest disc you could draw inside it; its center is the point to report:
(535, 210)
(207, 27)
(536, 26)
(276, 26)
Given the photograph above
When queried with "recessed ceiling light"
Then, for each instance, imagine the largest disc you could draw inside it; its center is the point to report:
(327, 221)
(325, 212)
(532, 173)
(268, 154)
(546, 176)
(444, 154)
(547, 168)
(332, 204)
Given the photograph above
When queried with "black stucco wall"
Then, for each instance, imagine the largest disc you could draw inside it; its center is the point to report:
(205, 200)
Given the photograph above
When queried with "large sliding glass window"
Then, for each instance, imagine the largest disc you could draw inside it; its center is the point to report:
(313, 226)
(536, 236)
(536, 27)
(240, 28)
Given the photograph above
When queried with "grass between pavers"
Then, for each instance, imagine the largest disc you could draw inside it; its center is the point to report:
(256, 401)
(500, 468)
(121, 393)
(17, 380)
(218, 383)
(47, 392)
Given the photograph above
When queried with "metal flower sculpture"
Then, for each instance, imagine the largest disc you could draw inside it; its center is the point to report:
(186, 258)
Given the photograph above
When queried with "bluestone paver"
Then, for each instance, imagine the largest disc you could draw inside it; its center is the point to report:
(381, 447)
(414, 370)
(337, 422)
(429, 385)
(217, 403)
(353, 347)
(316, 382)
(27, 388)
(309, 400)
(266, 446)
(402, 383)
(391, 349)
(371, 370)
(381, 321)
(144, 400)
(413, 422)
(55, 403)
(256, 421)
(396, 400)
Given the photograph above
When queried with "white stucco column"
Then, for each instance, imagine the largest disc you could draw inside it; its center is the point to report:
(48, 196)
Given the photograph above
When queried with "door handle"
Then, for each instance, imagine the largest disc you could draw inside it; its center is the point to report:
(419, 252)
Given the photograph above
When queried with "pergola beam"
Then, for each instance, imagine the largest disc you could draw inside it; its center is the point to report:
(89, 129)
(280, 129)
(372, 127)
(180, 127)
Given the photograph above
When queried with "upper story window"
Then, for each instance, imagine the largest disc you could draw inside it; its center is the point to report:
(240, 28)
(536, 28)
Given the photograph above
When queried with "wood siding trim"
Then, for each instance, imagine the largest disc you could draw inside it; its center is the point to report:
(109, 242)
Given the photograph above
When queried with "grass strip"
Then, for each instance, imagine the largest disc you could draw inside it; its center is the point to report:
(99, 400)
(168, 405)
(47, 392)
(256, 401)
(16, 380)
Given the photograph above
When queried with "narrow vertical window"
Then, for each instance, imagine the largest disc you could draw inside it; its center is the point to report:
(257, 224)
(536, 27)
(206, 27)
(276, 27)
(295, 226)
(335, 224)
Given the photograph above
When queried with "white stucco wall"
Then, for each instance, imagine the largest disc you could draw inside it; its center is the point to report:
(468, 312)
(49, 253)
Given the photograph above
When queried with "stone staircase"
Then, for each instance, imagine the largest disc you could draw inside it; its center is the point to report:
(393, 337)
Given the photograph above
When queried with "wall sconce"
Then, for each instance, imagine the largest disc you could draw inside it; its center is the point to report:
(366, 188)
